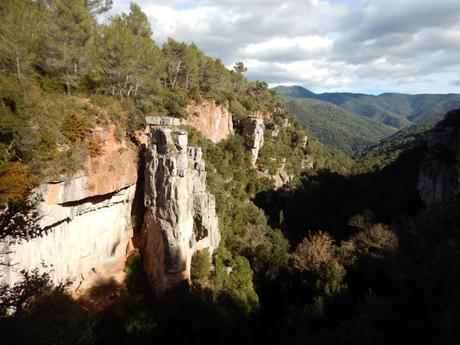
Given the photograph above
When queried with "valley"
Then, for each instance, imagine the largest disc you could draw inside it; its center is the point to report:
(150, 193)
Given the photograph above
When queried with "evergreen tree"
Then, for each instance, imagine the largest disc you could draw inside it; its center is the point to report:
(66, 47)
(127, 59)
(18, 36)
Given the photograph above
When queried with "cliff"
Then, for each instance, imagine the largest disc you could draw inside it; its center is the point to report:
(212, 120)
(87, 219)
(439, 177)
(253, 134)
(181, 217)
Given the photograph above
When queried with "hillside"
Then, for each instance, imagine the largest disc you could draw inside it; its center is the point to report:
(335, 126)
(151, 195)
(128, 171)
(392, 109)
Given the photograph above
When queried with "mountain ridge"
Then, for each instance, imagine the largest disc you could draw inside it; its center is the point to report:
(393, 111)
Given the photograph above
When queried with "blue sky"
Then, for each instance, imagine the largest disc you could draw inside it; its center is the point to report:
(371, 46)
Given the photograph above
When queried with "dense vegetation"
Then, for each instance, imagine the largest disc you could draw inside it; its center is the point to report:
(62, 74)
(355, 123)
(335, 126)
(391, 109)
(335, 257)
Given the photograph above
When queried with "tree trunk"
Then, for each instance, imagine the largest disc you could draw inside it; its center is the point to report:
(136, 88)
(18, 65)
(176, 74)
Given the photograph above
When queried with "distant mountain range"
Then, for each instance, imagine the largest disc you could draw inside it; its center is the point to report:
(353, 121)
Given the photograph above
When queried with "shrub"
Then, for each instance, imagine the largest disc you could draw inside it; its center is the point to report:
(15, 182)
(74, 127)
(377, 240)
(201, 267)
(313, 252)
(95, 148)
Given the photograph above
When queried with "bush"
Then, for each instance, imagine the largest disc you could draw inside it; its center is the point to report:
(313, 252)
(201, 267)
(175, 105)
(74, 127)
(15, 182)
(95, 148)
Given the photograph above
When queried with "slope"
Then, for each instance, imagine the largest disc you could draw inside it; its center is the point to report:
(392, 109)
(335, 126)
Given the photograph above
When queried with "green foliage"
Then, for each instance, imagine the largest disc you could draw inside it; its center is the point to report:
(236, 283)
(394, 110)
(34, 311)
(335, 126)
(388, 150)
(201, 267)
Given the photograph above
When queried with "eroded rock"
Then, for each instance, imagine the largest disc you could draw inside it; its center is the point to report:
(213, 121)
(253, 134)
(181, 216)
(87, 220)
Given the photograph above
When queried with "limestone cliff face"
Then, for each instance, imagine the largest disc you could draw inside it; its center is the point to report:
(280, 179)
(87, 220)
(439, 177)
(181, 216)
(212, 120)
(253, 134)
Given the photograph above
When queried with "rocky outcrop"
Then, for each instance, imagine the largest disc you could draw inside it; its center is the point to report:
(212, 120)
(304, 142)
(439, 177)
(253, 134)
(87, 220)
(273, 128)
(280, 179)
(181, 216)
(262, 115)
(308, 163)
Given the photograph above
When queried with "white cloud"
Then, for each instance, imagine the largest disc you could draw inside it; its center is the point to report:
(373, 45)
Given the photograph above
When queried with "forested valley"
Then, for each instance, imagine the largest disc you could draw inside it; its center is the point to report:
(350, 250)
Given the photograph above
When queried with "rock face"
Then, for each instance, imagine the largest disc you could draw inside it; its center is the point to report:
(273, 128)
(263, 115)
(253, 134)
(280, 179)
(87, 220)
(439, 177)
(213, 121)
(181, 216)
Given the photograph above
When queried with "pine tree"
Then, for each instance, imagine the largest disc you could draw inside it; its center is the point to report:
(66, 48)
(127, 58)
(18, 36)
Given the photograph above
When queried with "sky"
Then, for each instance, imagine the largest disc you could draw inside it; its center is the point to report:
(369, 46)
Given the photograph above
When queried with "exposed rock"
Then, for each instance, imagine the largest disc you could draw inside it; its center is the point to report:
(273, 128)
(88, 222)
(181, 216)
(253, 134)
(262, 115)
(304, 142)
(213, 121)
(286, 123)
(439, 177)
(308, 163)
(280, 179)
(162, 121)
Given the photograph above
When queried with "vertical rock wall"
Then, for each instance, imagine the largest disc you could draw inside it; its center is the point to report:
(181, 216)
(253, 134)
(212, 120)
(88, 222)
(439, 177)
